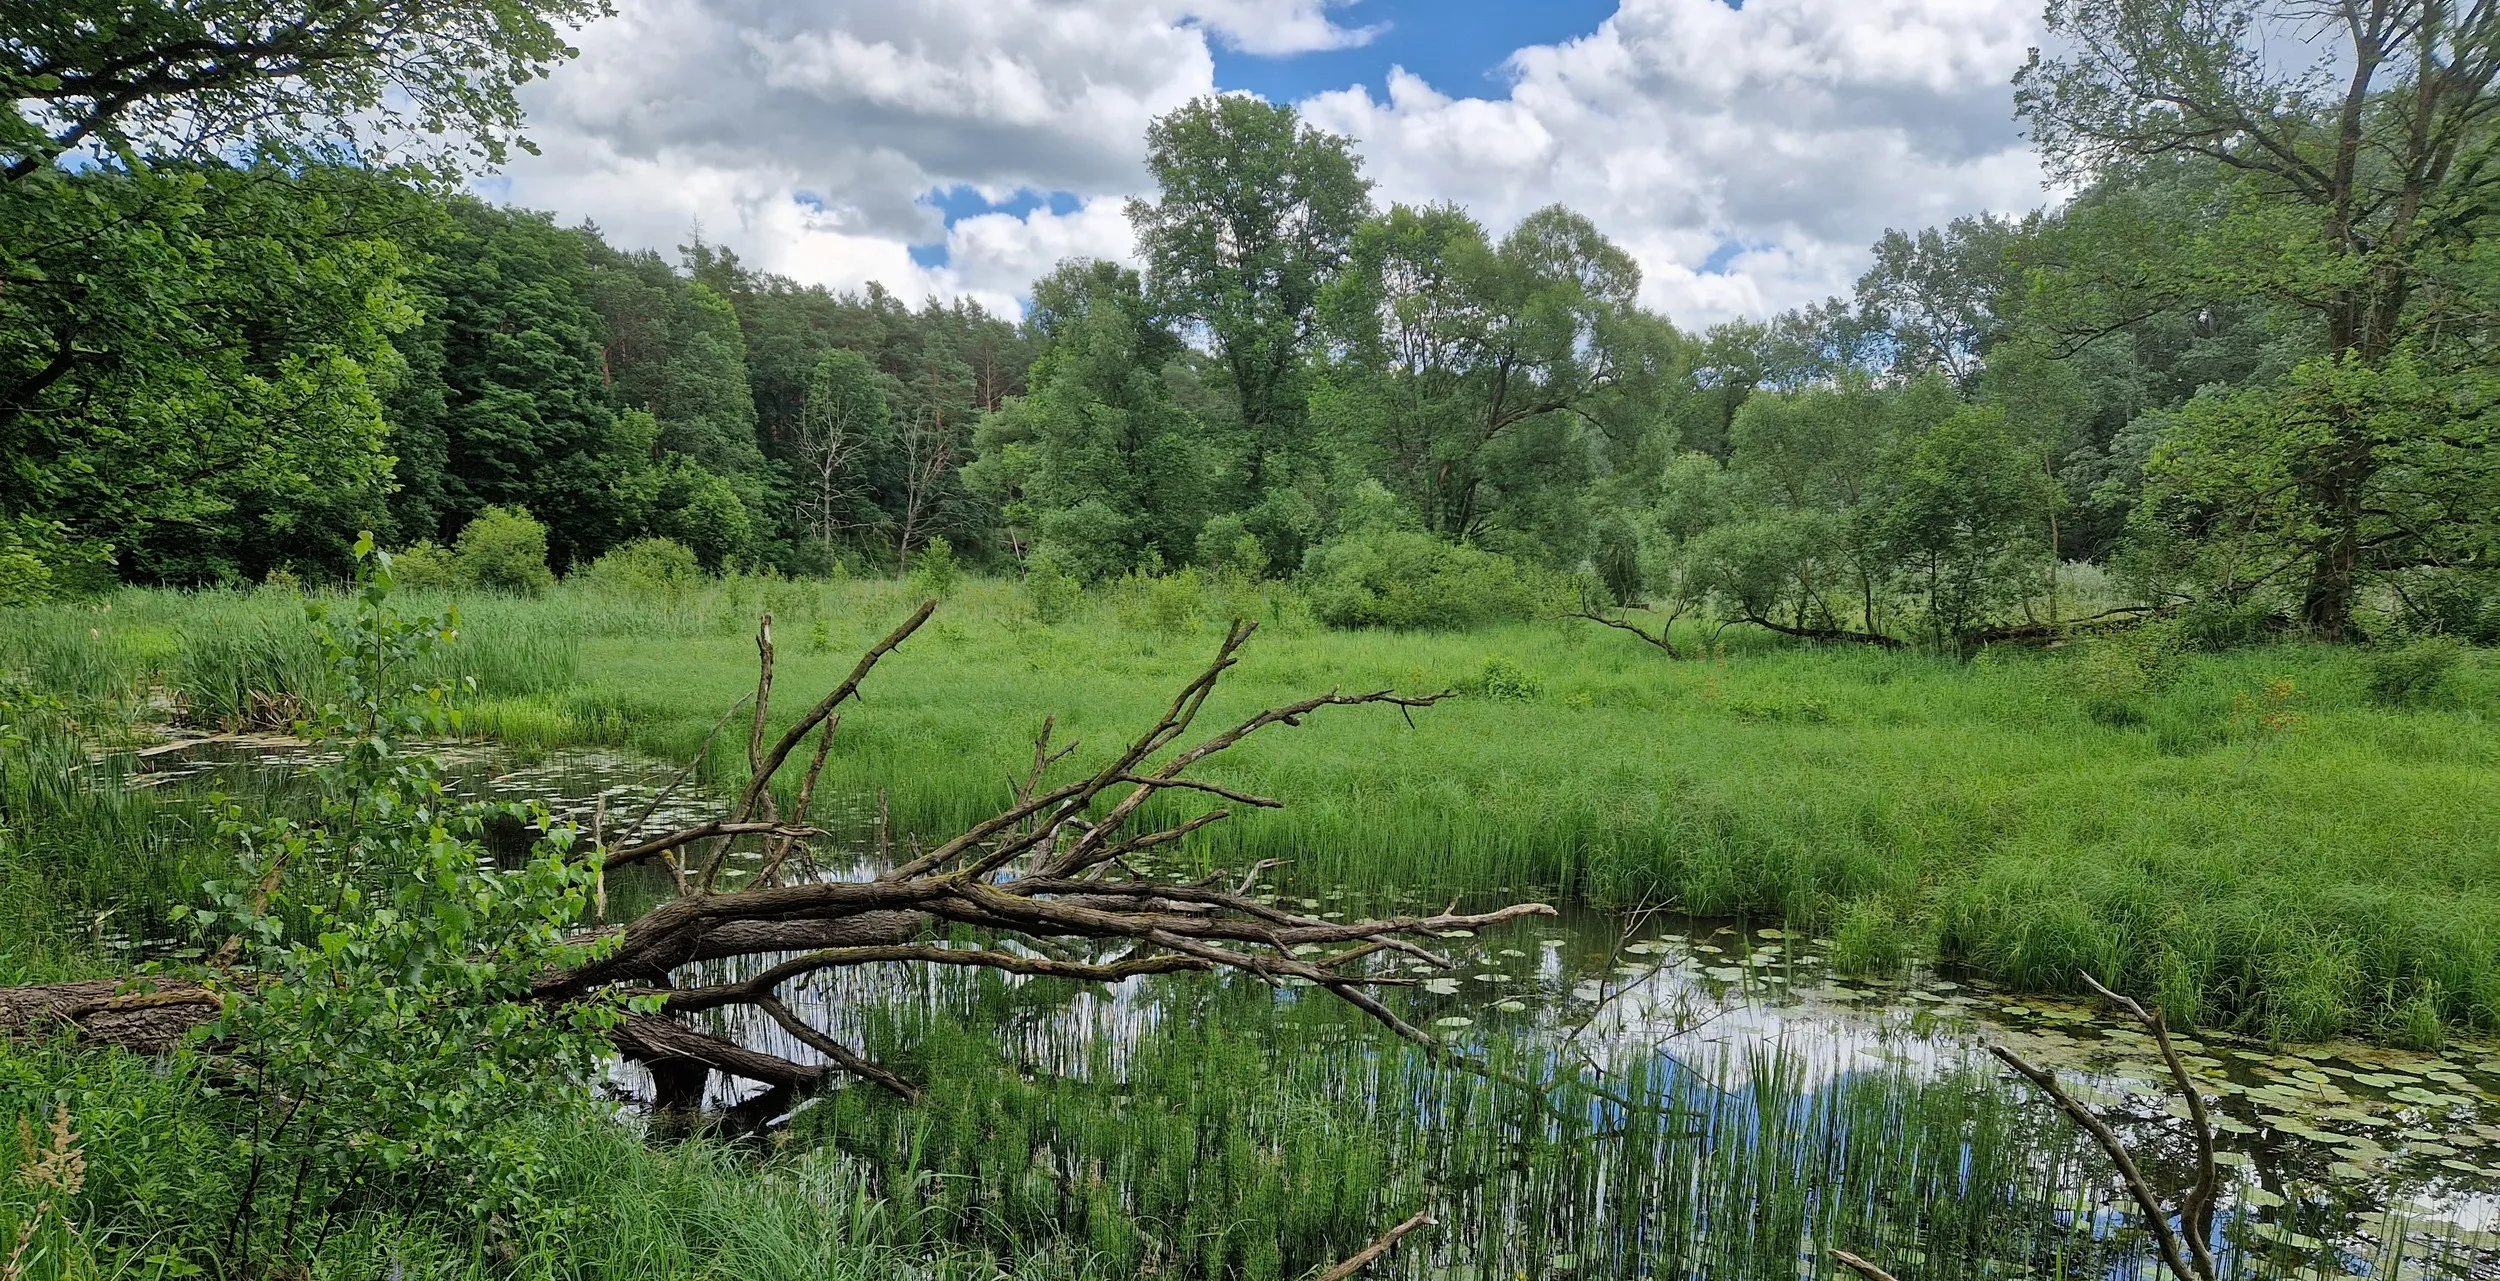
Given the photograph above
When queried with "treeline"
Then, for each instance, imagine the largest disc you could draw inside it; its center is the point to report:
(2238, 377)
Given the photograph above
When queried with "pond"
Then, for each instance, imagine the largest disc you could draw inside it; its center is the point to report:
(1636, 1094)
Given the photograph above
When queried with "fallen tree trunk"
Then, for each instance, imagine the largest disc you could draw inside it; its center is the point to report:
(1043, 888)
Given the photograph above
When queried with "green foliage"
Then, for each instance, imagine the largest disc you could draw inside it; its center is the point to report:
(388, 1036)
(504, 549)
(1054, 597)
(1256, 212)
(653, 566)
(25, 574)
(1483, 379)
(1098, 458)
(427, 566)
(935, 571)
(1388, 578)
(206, 81)
(190, 373)
(1502, 679)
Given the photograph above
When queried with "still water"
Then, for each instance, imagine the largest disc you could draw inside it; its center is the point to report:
(1635, 1094)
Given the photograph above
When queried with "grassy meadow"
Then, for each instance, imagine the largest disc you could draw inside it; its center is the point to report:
(2286, 840)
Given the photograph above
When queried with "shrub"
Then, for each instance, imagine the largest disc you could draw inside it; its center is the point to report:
(426, 566)
(936, 571)
(1504, 680)
(2119, 672)
(1166, 604)
(2413, 674)
(1052, 595)
(2453, 602)
(1087, 542)
(644, 566)
(505, 548)
(1227, 545)
(1395, 578)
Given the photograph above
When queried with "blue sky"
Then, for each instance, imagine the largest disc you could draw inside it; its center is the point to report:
(1458, 45)
(1745, 156)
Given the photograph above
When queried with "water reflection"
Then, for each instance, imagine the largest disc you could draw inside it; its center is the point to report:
(1696, 1061)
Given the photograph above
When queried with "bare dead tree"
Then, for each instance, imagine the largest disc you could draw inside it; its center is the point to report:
(1046, 887)
(928, 454)
(834, 433)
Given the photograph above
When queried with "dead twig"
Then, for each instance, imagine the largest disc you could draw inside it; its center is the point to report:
(1372, 1253)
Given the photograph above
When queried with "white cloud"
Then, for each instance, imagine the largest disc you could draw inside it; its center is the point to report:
(1798, 129)
(808, 136)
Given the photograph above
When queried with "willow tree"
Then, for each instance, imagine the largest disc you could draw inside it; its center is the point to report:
(2357, 183)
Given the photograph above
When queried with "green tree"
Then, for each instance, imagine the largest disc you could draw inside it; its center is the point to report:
(1256, 212)
(209, 79)
(505, 401)
(191, 360)
(1096, 458)
(1476, 374)
(1941, 295)
(2359, 186)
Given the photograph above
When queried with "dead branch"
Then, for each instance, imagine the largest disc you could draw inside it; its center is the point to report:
(1044, 885)
(2188, 1259)
(1371, 1254)
(1860, 1266)
(1663, 640)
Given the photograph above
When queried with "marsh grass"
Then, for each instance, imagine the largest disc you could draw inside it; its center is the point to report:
(2328, 863)
(1234, 1135)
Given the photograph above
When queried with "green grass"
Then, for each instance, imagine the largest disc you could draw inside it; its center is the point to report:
(2335, 872)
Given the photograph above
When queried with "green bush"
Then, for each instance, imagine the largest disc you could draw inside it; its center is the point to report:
(935, 571)
(2453, 602)
(505, 548)
(644, 566)
(1503, 680)
(1226, 544)
(1396, 578)
(1165, 604)
(2413, 674)
(427, 566)
(1087, 542)
(1052, 595)
(24, 578)
(2214, 627)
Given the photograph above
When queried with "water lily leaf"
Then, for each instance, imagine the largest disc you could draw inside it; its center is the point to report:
(1511, 1007)
(1454, 1021)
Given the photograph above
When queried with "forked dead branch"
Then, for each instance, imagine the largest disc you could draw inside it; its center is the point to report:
(1049, 886)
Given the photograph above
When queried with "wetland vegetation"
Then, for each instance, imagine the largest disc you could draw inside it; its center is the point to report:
(1345, 743)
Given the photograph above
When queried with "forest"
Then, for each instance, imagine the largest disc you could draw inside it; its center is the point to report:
(1342, 743)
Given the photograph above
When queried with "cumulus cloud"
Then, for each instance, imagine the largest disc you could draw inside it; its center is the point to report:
(1772, 143)
(1747, 155)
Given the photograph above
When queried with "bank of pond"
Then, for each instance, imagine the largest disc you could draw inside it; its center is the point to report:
(1634, 1093)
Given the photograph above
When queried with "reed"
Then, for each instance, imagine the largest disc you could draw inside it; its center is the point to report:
(2253, 838)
